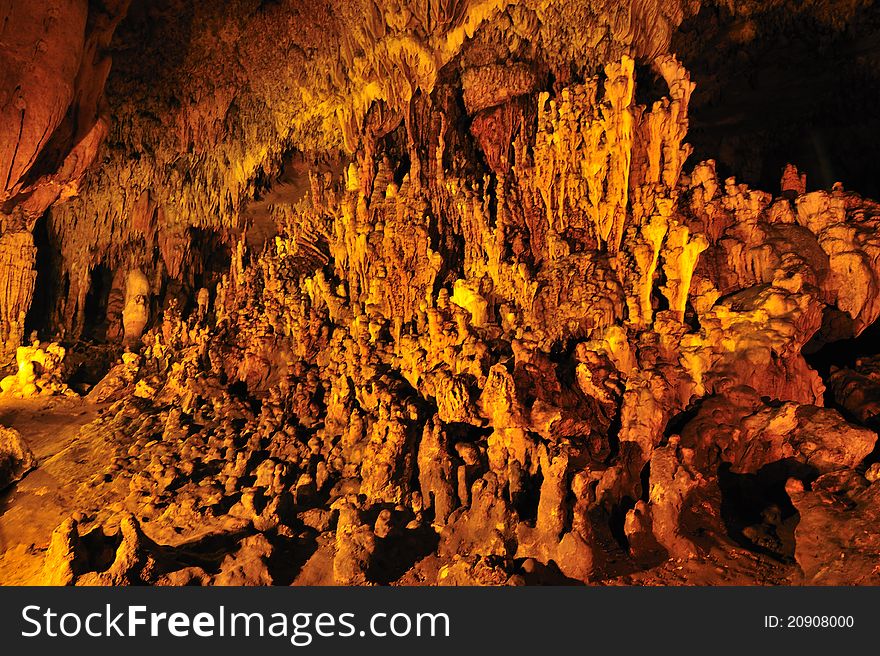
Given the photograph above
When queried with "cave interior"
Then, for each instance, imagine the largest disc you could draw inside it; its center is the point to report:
(439, 292)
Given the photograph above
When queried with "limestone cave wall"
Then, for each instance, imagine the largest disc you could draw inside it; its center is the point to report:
(442, 292)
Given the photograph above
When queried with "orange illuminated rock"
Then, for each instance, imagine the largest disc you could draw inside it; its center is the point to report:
(738, 428)
(837, 538)
(39, 371)
(16, 458)
(393, 293)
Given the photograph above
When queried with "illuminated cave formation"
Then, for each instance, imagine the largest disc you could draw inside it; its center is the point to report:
(430, 292)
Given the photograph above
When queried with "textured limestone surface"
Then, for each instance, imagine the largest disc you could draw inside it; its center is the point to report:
(418, 293)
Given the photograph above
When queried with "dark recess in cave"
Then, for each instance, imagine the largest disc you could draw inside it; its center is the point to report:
(756, 510)
(796, 91)
(97, 299)
(45, 289)
(844, 352)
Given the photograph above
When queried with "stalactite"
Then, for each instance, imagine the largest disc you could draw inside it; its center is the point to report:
(432, 287)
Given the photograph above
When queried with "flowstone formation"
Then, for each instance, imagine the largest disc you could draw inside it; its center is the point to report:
(492, 326)
(39, 371)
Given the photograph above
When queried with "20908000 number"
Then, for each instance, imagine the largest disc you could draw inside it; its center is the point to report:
(820, 621)
(809, 621)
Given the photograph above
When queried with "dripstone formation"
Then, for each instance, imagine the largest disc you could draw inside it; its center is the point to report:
(418, 293)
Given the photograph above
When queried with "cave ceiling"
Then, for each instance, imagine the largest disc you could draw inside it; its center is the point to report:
(492, 291)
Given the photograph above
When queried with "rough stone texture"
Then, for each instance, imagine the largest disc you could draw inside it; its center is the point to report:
(857, 389)
(837, 536)
(40, 371)
(17, 256)
(430, 293)
(53, 67)
(16, 458)
(740, 429)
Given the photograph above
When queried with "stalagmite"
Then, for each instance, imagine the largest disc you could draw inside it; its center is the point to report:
(136, 311)
(39, 371)
(369, 293)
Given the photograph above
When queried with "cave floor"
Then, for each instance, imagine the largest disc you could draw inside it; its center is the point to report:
(31, 509)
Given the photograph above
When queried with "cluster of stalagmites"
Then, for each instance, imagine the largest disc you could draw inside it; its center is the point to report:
(39, 371)
(439, 379)
(170, 138)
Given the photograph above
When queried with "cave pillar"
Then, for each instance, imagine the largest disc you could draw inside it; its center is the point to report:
(136, 311)
(17, 279)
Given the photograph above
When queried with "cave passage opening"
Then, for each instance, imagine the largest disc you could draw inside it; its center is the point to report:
(756, 510)
(95, 320)
(39, 316)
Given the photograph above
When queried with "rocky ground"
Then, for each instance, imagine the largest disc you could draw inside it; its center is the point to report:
(50, 493)
(432, 293)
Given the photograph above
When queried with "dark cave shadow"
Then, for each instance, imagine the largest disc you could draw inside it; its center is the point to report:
(398, 553)
(207, 552)
(546, 574)
(747, 500)
(289, 554)
(289, 557)
(611, 546)
(796, 91)
(842, 352)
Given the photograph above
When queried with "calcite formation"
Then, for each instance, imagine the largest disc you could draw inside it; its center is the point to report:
(135, 311)
(836, 542)
(39, 371)
(16, 457)
(54, 66)
(425, 293)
